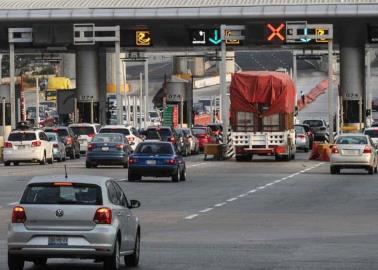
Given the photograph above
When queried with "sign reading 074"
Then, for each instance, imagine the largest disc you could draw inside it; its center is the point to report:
(143, 38)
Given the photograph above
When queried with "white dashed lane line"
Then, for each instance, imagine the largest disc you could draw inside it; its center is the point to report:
(250, 191)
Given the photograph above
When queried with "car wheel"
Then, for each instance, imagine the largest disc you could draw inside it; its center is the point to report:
(376, 169)
(15, 262)
(88, 165)
(306, 150)
(112, 262)
(371, 170)
(16, 163)
(51, 160)
(183, 175)
(77, 154)
(176, 176)
(72, 154)
(335, 170)
(65, 156)
(40, 261)
(133, 259)
(131, 177)
(43, 161)
(6, 163)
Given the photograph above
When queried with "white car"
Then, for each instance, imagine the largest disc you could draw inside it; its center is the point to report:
(129, 132)
(373, 133)
(28, 146)
(85, 133)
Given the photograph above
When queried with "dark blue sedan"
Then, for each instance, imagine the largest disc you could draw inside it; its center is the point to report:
(108, 149)
(158, 159)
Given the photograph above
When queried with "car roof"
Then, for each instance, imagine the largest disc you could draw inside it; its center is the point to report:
(351, 134)
(155, 141)
(57, 127)
(85, 179)
(159, 127)
(114, 126)
(371, 128)
(83, 125)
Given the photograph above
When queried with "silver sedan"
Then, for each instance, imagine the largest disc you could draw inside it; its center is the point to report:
(353, 151)
(74, 217)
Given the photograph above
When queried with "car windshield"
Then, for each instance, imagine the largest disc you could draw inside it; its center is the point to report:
(313, 123)
(83, 130)
(62, 132)
(186, 132)
(154, 149)
(198, 131)
(64, 193)
(351, 140)
(299, 130)
(51, 136)
(153, 114)
(373, 133)
(123, 131)
(215, 127)
(22, 136)
(108, 138)
(164, 132)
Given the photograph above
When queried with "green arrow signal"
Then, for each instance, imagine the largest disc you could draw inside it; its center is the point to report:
(216, 40)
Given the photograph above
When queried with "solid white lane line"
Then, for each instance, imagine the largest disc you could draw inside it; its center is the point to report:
(260, 188)
(191, 216)
(232, 199)
(252, 191)
(206, 210)
(242, 195)
(277, 181)
(219, 204)
(270, 184)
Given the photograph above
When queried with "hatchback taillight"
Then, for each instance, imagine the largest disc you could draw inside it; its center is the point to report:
(18, 215)
(103, 216)
(91, 135)
(36, 144)
(367, 150)
(172, 139)
(55, 145)
(8, 145)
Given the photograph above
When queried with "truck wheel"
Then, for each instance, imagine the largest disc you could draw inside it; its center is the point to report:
(277, 158)
(15, 262)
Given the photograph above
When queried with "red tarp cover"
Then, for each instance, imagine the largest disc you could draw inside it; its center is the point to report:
(275, 89)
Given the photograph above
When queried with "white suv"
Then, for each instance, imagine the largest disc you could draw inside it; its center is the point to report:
(85, 133)
(129, 132)
(27, 146)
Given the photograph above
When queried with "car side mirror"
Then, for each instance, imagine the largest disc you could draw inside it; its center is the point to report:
(134, 204)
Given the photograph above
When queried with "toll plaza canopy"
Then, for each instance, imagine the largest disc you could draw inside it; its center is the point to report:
(11, 10)
(275, 89)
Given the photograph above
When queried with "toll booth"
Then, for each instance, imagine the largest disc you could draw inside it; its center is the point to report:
(179, 92)
(5, 110)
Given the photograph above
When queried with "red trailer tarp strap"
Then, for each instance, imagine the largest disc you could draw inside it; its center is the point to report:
(275, 89)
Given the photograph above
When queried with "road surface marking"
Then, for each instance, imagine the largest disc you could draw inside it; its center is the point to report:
(219, 204)
(191, 216)
(13, 203)
(206, 210)
(252, 190)
(199, 164)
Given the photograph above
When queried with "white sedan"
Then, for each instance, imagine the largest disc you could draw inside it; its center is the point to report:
(353, 151)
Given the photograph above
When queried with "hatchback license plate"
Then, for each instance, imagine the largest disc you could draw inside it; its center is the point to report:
(58, 241)
(105, 149)
(351, 152)
(151, 162)
(21, 146)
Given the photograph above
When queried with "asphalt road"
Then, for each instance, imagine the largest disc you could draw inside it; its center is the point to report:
(227, 215)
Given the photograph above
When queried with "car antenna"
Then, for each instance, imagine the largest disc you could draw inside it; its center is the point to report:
(65, 172)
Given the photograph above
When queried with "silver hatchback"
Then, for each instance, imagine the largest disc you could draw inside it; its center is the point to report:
(75, 217)
(353, 151)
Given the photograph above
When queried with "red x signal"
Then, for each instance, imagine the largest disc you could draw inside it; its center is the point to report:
(276, 32)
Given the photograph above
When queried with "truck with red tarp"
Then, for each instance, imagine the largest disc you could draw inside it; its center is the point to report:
(262, 115)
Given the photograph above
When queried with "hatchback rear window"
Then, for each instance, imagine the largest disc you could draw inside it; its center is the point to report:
(154, 149)
(83, 130)
(22, 136)
(61, 132)
(313, 123)
(164, 132)
(54, 193)
(197, 131)
(123, 131)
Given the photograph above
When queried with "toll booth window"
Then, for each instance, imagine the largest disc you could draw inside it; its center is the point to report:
(351, 109)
